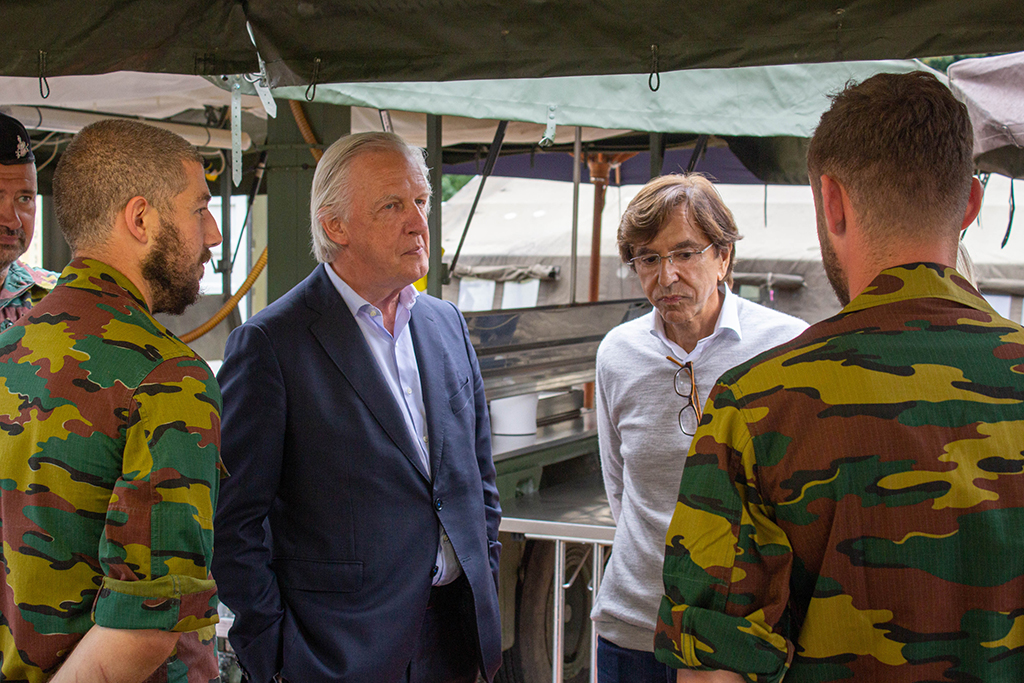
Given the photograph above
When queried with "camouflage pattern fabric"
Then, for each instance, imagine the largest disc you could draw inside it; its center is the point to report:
(109, 474)
(852, 507)
(22, 289)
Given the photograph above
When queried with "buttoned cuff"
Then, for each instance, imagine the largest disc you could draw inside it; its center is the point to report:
(704, 639)
(170, 603)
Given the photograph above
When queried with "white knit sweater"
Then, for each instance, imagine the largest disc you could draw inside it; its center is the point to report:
(643, 450)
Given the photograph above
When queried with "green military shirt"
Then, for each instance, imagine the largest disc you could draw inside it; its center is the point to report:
(109, 473)
(852, 507)
(22, 289)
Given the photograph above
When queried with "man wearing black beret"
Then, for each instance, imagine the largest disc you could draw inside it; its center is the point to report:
(21, 286)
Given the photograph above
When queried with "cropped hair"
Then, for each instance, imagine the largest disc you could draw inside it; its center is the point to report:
(659, 200)
(901, 145)
(107, 164)
(331, 193)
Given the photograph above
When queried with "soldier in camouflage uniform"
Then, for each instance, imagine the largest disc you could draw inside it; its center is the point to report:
(110, 462)
(21, 285)
(852, 505)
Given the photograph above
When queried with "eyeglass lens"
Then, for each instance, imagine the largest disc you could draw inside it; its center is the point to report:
(684, 386)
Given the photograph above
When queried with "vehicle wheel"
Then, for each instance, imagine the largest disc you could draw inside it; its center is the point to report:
(531, 653)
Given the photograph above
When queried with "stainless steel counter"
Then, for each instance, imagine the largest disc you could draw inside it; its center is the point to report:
(547, 436)
(577, 512)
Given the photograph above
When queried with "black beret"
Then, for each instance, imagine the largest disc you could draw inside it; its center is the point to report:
(15, 144)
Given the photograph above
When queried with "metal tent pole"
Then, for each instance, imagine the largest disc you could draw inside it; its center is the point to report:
(577, 154)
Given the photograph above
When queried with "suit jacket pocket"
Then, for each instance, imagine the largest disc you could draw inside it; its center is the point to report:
(323, 576)
(460, 399)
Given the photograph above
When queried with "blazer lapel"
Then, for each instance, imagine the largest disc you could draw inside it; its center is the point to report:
(340, 336)
(432, 359)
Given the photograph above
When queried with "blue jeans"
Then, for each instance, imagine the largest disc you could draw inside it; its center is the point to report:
(618, 665)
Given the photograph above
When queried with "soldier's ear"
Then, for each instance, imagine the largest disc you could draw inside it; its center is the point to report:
(139, 217)
(833, 204)
(973, 203)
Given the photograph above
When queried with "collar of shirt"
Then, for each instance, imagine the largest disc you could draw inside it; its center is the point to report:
(916, 281)
(728, 324)
(357, 304)
(90, 274)
(18, 279)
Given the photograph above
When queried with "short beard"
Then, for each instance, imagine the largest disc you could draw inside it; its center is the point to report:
(833, 269)
(10, 253)
(172, 279)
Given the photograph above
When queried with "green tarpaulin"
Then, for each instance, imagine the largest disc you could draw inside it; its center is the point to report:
(439, 40)
(753, 101)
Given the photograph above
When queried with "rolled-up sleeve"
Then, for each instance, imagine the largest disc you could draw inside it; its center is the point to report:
(157, 544)
(727, 563)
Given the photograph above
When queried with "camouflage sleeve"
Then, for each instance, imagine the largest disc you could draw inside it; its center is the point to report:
(157, 543)
(727, 563)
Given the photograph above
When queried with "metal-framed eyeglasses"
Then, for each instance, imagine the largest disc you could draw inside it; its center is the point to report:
(649, 263)
(685, 384)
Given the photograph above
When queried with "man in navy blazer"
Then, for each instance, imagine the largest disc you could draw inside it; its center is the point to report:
(356, 539)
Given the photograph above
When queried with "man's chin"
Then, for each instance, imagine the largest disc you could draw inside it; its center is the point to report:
(175, 303)
(9, 253)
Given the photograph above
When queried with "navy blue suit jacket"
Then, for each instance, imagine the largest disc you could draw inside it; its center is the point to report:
(327, 529)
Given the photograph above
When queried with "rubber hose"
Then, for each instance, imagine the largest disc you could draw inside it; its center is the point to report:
(230, 304)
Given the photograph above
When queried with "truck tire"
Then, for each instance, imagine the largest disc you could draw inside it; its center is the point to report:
(529, 660)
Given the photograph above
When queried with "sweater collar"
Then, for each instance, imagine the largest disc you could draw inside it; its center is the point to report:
(727, 325)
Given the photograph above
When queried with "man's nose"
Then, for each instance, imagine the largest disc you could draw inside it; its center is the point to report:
(418, 222)
(211, 233)
(667, 273)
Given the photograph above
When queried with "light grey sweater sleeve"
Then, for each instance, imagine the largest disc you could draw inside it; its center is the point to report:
(609, 440)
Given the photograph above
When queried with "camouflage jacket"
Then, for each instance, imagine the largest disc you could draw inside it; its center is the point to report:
(22, 289)
(109, 473)
(852, 507)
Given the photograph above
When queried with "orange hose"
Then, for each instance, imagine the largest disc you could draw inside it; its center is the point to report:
(230, 304)
(299, 114)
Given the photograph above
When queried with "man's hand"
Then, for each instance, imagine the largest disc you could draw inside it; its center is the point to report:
(110, 655)
(691, 676)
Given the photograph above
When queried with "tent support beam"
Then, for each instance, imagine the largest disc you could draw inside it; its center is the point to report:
(577, 158)
(435, 271)
(492, 157)
(657, 148)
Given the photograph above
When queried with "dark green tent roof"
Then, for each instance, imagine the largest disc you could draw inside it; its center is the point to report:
(397, 40)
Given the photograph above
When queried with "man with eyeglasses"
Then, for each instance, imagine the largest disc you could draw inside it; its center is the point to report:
(852, 505)
(652, 374)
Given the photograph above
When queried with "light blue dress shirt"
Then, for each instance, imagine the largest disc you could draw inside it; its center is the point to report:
(396, 360)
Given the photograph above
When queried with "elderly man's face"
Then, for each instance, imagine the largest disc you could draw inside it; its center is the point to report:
(685, 295)
(385, 232)
(17, 211)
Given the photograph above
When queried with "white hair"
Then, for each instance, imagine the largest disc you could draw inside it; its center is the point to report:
(331, 193)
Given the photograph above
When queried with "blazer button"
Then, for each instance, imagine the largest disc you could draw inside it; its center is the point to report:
(438, 503)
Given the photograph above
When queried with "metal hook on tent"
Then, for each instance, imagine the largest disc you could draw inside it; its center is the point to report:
(385, 121)
(42, 76)
(654, 80)
(313, 81)
(260, 81)
(549, 129)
